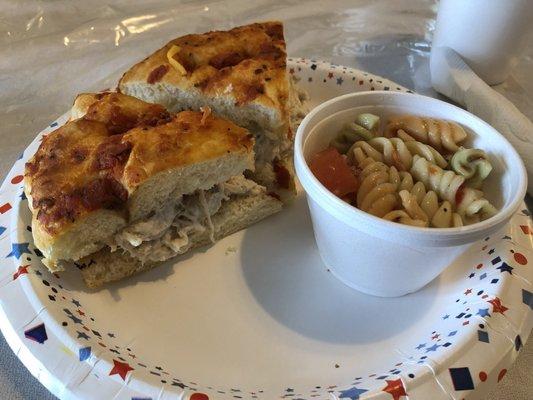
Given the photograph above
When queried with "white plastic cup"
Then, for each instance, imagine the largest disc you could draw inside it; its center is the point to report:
(384, 258)
(488, 34)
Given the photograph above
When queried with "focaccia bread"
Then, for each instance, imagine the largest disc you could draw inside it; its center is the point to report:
(241, 75)
(118, 162)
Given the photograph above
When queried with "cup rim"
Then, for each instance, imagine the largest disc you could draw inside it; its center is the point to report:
(353, 216)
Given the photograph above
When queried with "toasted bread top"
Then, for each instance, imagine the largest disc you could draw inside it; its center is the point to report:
(97, 161)
(246, 63)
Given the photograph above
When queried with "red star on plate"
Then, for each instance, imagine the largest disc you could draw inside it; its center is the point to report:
(468, 291)
(395, 389)
(435, 336)
(80, 312)
(330, 75)
(5, 208)
(526, 230)
(23, 269)
(497, 306)
(120, 368)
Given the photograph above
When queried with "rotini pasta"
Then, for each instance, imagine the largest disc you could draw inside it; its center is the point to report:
(414, 172)
(444, 183)
(395, 152)
(364, 127)
(442, 135)
(424, 206)
(401, 217)
(473, 164)
(468, 203)
(377, 193)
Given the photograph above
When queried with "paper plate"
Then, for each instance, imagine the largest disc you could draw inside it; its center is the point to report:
(258, 316)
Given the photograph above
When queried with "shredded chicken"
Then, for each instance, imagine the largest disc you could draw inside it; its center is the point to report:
(205, 206)
(169, 231)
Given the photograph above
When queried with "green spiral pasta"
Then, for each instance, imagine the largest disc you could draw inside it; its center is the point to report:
(467, 202)
(364, 128)
(473, 164)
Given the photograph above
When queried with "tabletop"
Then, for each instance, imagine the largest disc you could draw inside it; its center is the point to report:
(51, 51)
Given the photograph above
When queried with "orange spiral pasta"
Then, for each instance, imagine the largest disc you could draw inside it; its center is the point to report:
(442, 135)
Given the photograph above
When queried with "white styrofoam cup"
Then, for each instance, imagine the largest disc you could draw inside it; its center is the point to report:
(384, 258)
(488, 35)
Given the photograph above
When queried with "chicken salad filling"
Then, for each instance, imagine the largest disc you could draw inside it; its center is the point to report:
(170, 231)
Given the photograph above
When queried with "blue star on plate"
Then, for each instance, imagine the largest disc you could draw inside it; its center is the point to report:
(527, 298)
(461, 378)
(420, 346)
(505, 268)
(37, 333)
(18, 249)
(518, 343)
(23, 196)
(432, 348)
(76, 303)
(352, 394)
(84, 353)
(483, 336)
(483, 312)
(339, 81)
(446, 316)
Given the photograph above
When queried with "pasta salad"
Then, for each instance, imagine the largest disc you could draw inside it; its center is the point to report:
(413, 170)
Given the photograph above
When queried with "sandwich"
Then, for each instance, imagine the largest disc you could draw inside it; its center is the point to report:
(126, 184)
(240, 75)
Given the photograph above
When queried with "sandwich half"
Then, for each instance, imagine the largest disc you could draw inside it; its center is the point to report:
(241, 75)
(125, 185)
